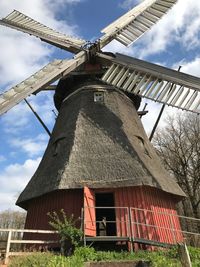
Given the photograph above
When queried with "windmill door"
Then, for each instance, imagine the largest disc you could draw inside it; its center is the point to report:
(89, 212)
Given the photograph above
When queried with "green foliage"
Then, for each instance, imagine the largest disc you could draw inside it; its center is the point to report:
(161, 258)
(66, 227)
(195, 256)
(33, 260)
(85, 253)
(45, 260)
(60, 261)
(157, 259)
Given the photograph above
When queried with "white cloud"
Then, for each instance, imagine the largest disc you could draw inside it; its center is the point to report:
(180, 25)
(43, 11)
(150, 118)
(16, 120)
(190, 67)
(177, 26)
(22, 54)
(20, 60)
(31, 146)
(20, 118)
(43, 105)
(127, 4)
(116, 47)
(13, 180)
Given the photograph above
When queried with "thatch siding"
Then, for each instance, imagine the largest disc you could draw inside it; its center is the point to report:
(98, 145)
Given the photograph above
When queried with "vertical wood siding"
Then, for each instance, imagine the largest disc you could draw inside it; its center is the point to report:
(162, 208)
(71, 201)
(159, 204)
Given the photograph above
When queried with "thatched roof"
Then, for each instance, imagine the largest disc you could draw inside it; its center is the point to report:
(98, 145)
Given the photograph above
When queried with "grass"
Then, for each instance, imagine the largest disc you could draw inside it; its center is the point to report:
(162, 258)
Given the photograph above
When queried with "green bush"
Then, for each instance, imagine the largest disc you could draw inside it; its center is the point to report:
(86, 253)
(70, 235)
(161, 258)
(157, 259)
(195, 256)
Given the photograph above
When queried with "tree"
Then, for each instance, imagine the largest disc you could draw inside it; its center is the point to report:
(178, 144)
(11, 219)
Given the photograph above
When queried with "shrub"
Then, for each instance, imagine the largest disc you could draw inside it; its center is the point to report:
(162, 258)
(70, 235)
(33, 260)
(195, 256)
(86, 253)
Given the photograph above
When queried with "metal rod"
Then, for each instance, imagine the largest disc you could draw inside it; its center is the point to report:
(156, 123)
(144, 108)
(160, 114)
(38, 117)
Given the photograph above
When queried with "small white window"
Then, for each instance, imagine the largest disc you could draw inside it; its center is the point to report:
(98, 97)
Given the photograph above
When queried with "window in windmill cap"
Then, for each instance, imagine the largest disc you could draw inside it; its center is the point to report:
(99, 96)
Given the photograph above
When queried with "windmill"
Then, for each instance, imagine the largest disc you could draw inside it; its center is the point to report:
(98, 153)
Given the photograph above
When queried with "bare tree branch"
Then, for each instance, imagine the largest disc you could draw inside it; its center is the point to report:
(178, 144)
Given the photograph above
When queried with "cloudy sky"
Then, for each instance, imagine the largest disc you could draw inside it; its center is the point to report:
(174, 41)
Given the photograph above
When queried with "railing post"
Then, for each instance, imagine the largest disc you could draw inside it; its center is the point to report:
(184, 255)
(172, 228)
(82, 224)
(137, 221)
(84, 238)
(131, 235)
(8, 247)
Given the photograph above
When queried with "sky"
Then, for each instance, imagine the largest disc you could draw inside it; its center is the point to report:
(173, 41)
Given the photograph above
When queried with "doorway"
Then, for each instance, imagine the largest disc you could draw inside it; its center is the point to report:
(105, 217)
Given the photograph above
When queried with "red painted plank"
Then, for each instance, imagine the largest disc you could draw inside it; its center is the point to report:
(156, 201)
(89, 212)
(69, 200)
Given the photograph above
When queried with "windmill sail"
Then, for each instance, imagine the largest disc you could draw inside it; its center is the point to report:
(40, 79)
(154, 82)
(21, 22)
(131, 26)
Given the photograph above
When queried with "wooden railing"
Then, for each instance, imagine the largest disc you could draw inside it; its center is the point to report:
(10, 241)
(127, 229)
(143, 226)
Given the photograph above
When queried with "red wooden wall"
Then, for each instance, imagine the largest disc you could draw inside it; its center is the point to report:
(141, 197)
(160, 203)
(69, 200)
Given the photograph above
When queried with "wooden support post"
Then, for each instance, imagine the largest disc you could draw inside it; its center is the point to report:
(172, 229)
(131, 234)
(8, 247)
(184, 255)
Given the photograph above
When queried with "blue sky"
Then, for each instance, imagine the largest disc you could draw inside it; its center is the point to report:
(172, 42)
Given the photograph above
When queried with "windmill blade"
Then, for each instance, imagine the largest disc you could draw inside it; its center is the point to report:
(42, 78)
(23, 23)
(131, 26)
(153, 82)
